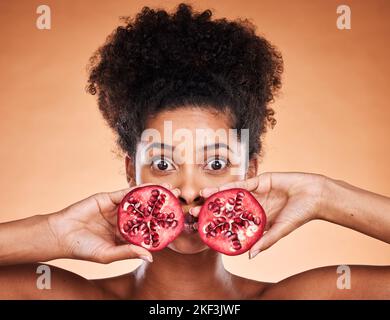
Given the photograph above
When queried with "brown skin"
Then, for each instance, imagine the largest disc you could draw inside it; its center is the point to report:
(87, 231)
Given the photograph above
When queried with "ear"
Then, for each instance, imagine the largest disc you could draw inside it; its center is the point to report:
(130, 170)
(252, 168)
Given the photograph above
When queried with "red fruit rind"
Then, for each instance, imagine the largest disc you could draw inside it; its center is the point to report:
(231, 221)
(151, 217)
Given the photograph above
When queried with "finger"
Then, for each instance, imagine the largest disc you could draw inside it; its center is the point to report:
(166, 185)
(176, 192)
(117, 196)
(262, 183)
(126, 251)
(274, 234)
(194, 211)
(249, 184)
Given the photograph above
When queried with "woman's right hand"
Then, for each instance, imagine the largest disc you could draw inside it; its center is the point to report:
(87, 230)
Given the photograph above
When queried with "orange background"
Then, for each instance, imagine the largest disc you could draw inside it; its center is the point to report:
(333, 116)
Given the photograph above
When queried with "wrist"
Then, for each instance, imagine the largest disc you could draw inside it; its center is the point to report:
(332, 195)
(54, 225)
(315, 189)
(44, 246)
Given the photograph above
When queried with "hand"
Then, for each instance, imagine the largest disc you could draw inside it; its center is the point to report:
(87, 230)
(289, 201)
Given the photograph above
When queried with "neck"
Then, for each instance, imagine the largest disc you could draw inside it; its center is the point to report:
(174, 275)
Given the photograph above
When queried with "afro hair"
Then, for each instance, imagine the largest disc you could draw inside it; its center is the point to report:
(160, 60)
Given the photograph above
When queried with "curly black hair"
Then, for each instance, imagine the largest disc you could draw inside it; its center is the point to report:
(159, 61)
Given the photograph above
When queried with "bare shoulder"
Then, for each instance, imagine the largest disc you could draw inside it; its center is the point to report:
(43, 281)
(333, 282)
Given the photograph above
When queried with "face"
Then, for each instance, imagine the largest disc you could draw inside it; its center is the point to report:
(189, 148)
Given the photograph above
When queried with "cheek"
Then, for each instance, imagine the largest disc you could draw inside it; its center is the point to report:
(146, 175)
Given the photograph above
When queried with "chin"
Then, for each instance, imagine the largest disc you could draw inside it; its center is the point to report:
(188, 243)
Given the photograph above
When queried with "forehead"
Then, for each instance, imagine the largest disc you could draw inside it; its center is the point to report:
(190, 119)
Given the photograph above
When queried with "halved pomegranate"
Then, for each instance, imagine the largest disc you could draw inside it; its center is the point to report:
(231, 221)
(150, 217)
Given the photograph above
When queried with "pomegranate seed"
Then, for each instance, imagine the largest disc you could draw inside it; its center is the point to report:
(237, 220)
(233, 237)
(228, 233)
(150, 203)
(161, 216)
(236, 244)
(161, 223)
(218, 229)
(221, 220)
(240, 194)
(234, 227)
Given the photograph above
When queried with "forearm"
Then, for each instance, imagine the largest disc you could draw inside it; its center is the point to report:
(27, 240)
(356, 208)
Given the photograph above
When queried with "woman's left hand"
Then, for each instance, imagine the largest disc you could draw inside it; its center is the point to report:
(289, 200)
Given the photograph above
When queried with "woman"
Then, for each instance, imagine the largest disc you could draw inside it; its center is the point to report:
(189, 72)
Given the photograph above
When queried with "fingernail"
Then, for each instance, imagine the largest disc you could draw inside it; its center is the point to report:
(176, 190)
(206, 192)
(192, 211)
(147, 258)
(253, 254)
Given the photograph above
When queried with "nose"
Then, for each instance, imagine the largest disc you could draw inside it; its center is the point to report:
(189, 192)
(189, 196)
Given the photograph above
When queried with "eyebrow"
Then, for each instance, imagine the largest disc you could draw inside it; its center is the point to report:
(161, 145)
(216, 146)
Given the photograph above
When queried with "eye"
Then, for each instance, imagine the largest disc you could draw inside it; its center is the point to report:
(216, 164)
(162, 164)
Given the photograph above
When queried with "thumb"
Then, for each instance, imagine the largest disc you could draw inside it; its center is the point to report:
(274, 234)
(126, 251)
